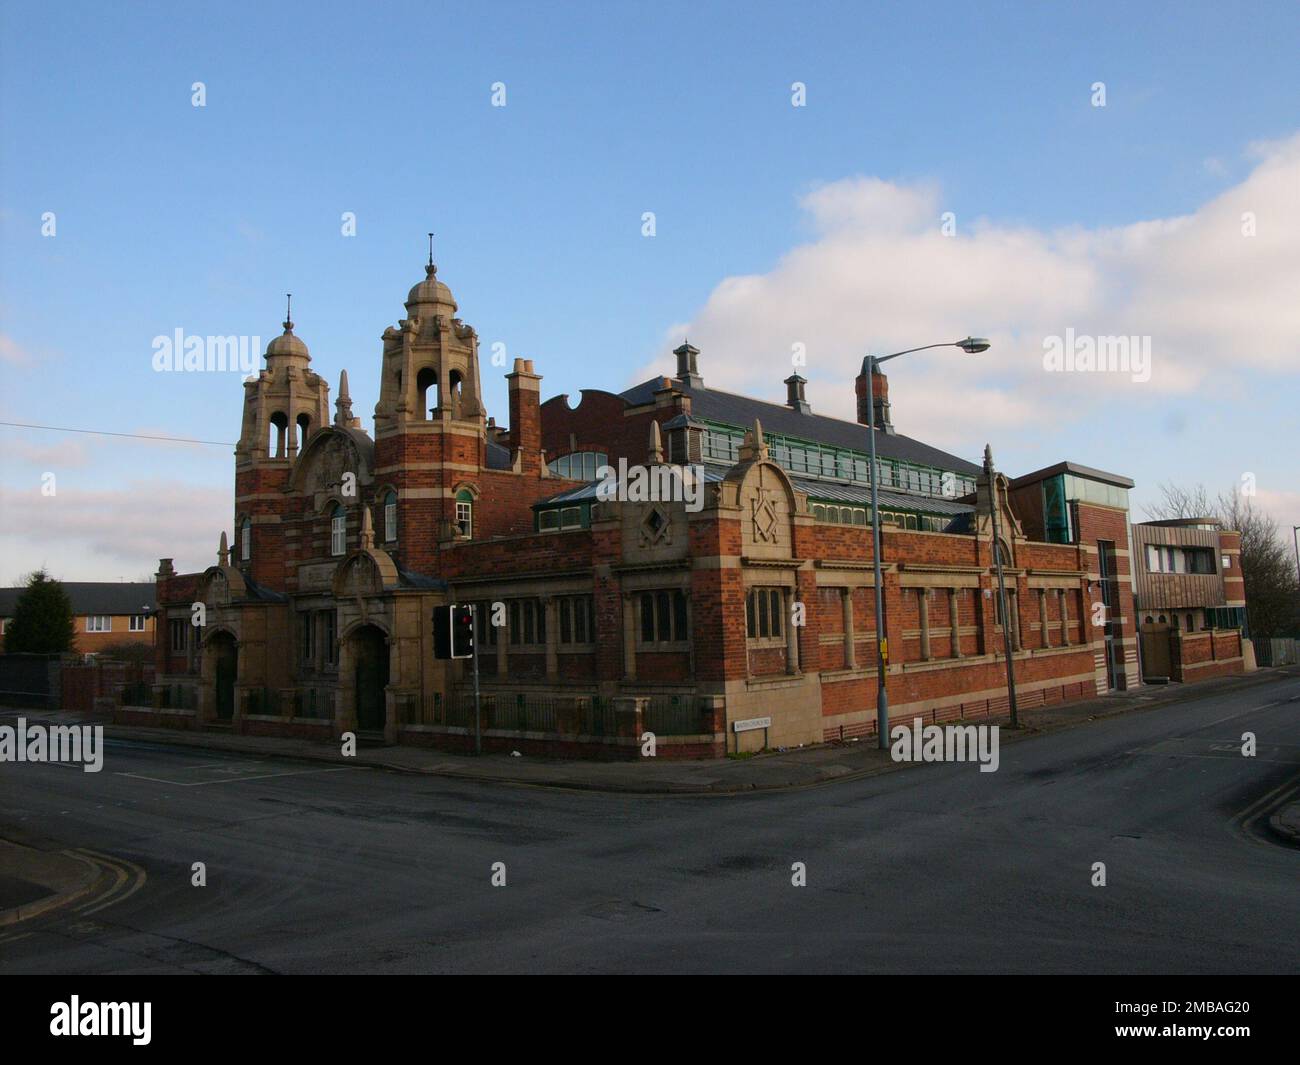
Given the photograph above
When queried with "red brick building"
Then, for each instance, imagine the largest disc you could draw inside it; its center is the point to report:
(601, 619)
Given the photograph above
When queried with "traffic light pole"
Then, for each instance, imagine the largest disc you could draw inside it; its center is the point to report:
(478, 719)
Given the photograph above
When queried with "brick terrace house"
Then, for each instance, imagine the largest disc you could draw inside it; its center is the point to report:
(1190, 598)
(103, 613)
(621, 616)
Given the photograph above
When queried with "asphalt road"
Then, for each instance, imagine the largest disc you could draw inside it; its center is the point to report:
(935, 868)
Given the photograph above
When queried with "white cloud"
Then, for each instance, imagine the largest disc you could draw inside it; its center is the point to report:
(878, 275)
(102, 534)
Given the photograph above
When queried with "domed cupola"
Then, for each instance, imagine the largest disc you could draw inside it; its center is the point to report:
(432, 294)
(286, 344)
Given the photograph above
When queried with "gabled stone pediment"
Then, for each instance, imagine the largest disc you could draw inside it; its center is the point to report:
(367, 571)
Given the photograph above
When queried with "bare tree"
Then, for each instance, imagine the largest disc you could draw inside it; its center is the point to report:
(1272, 590)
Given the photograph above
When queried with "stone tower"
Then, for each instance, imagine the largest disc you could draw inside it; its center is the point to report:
(429, 422)
(283, 405)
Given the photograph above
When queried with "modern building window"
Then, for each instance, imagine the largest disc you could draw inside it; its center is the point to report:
(663, 616)
(390, 517)
(136, 623)
(245, 540)
(576, 619)
(99, 623)
(763, 613)
(465, 512)
(338, 531)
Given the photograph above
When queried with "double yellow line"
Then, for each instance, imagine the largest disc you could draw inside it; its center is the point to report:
(1243, 822)
(115, 880)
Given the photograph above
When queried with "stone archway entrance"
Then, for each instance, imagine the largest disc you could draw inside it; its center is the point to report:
(370, 659)
(225, 666)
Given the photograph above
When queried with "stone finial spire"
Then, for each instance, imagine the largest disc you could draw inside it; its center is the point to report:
(223, 550)
(988, 458)
(343, 403)
(656, 445)
(367, 530)
(754, 447)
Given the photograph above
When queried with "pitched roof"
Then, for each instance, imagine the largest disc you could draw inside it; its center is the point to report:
(94, 597)
(714, 405)
(816, 488)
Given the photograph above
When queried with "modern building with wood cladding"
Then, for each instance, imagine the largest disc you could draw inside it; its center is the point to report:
(1190, 597)
(731, 609)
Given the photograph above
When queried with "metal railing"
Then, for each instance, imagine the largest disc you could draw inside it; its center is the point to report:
(672, 715)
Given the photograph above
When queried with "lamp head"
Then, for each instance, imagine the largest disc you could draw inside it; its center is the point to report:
(974, 345)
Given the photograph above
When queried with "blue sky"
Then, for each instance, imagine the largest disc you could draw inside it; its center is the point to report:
(173, 216)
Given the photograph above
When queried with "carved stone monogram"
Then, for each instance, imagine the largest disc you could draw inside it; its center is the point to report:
(331, 461)
(765, 518)
(218, 590)
(360, 578)
(656, 528)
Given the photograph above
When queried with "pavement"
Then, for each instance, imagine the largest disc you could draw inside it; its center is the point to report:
(791, 768)
(1138, 844)
(37, 879)
(1286, 823)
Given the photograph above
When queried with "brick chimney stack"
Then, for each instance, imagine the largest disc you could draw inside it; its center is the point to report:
(873, 399)
(525, 436)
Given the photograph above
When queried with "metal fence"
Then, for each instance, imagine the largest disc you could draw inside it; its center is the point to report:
(665, 715)
(136, 693)
(672, 715)
(315, 703)
(179, 697)
(1277, 652)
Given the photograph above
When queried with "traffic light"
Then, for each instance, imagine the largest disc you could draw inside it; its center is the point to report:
(453, 631)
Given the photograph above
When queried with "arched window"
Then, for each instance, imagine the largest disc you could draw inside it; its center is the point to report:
(278, 432)
(390, 517)
(338, 531)
(304, 427)
(465, 512)
(245, 540)
(426, 387)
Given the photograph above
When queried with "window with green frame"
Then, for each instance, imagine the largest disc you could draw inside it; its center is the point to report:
(564, 517)
(807, 458)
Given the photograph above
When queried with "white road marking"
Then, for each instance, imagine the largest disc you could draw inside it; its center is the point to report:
(236, 780)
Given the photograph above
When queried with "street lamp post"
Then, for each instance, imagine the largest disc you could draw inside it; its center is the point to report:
(1295, 529)
(1002, 586)
(972, 346)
